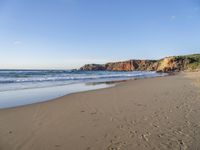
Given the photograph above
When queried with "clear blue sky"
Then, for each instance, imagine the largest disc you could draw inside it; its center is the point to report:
(68, 33)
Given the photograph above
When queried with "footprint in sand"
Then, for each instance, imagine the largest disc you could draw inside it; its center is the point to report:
(145, 136)
(88, 148)
(57, 145)
(116, 145)
(10, 132)
(132, 134)
(93, 113)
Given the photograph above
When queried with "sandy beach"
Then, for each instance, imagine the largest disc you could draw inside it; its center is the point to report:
(147, 114)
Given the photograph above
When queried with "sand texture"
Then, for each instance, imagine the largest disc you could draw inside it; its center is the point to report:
(148, 114)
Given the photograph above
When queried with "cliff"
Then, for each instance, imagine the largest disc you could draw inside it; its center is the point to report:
(179, 63)
(167, 64)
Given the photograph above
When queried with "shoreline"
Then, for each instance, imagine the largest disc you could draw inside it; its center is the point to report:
(150, 113)
(17, 98)
(55, 99)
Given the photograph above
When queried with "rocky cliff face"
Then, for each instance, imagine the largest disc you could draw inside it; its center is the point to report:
(129, 65)
(168, 64)
(93, 67)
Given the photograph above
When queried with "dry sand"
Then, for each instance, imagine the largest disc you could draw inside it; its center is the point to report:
(147, 114)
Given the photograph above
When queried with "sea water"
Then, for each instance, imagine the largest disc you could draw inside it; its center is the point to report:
(22, 87)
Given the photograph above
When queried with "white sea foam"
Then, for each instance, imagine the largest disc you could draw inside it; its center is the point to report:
(23, 79)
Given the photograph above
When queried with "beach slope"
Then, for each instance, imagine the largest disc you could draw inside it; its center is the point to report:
(157, 113)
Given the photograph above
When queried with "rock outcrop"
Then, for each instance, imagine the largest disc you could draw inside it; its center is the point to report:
(129, 65)
(93, 67)
(168, 64)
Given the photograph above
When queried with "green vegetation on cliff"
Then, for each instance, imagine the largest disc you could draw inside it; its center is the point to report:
(193, 61)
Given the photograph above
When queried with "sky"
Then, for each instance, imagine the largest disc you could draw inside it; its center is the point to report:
(66, 34)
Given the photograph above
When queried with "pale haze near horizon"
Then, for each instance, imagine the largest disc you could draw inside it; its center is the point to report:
(66, 34)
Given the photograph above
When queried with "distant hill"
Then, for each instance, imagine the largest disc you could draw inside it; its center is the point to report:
(167, 64)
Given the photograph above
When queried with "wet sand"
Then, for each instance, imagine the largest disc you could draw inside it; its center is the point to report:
(147, 114)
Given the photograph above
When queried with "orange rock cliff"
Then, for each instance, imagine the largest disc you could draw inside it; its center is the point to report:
(167, 64)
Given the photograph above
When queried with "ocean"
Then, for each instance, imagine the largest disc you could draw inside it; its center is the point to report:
(22, 87)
